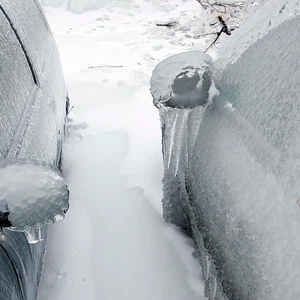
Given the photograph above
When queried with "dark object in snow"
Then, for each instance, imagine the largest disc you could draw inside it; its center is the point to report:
(169, 24)
(232, 168)
(224, 29)
(4, 214)
(104, 66)
(33, 110)
(69, 111)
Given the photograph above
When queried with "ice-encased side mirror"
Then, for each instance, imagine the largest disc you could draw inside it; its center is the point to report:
(182, 81)
(31, 194)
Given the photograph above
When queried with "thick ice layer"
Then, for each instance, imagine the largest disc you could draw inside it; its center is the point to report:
(30, 195)
(11, 110)
(32, 119)
(236, 186)
(269, 16)
(182, 81)
(178, 84)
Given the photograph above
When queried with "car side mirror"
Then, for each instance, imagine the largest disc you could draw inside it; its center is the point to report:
(183, 81)
(31, 194)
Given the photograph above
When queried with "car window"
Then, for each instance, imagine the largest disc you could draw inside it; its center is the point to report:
(16, 83)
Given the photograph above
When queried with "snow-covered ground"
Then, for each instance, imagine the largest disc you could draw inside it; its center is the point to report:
(114, 244)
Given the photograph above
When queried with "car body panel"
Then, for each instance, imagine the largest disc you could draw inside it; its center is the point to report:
(237, 183)
(33, 99)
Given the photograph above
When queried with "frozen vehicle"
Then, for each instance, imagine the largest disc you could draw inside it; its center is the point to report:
(33, 109)
(231, 146)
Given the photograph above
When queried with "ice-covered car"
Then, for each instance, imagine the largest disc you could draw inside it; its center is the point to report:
(33, 110)
(231, 147)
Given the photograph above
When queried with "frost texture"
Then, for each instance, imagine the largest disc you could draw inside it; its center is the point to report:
(234, 172)
(8, 284)
(182, 80)
(31, 194)
(178, 84)
(269, 16)
(11, 87)
(32, 118)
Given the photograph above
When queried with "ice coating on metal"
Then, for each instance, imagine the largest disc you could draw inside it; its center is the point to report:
(11, 86)
(42, 123)
(178, 84)
(232, 174)
(32, 194)
(268, 17)
(33, 114)
(182, 81)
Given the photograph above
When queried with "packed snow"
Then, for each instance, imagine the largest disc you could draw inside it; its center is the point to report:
(114, 243)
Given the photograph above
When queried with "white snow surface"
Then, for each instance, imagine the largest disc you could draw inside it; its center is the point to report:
(77, 6)
(114, 243)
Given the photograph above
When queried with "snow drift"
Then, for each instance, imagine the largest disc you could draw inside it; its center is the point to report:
(78, 6)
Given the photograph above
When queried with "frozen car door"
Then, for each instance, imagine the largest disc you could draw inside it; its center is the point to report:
(39, 43)
(17, 84)
(48, 115)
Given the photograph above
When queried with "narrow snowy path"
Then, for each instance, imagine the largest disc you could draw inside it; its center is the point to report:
(118, 245)
(114, 244)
